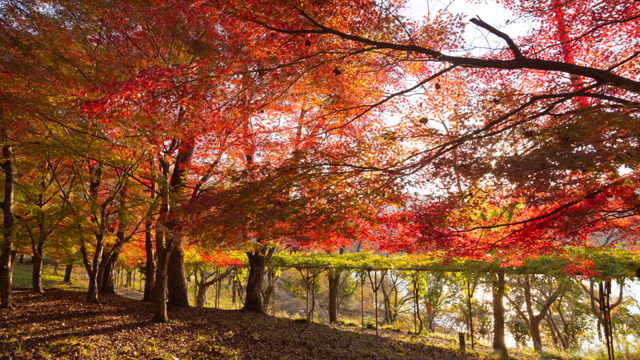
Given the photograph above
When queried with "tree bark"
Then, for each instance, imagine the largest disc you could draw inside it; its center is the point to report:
(106, 285)
(271, 289)
(201, 297)
(163, 251)
(67, 273)
(387, 303)
(257, 265)
(160, 288)
(498, 315)
(334, 288)
(92, 268)
(150, 266)
(234, 290)
(177, 281)
(36, 276)
(534, 329)
(6, 261)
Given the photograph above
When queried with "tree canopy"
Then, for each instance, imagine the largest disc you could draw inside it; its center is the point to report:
(315, 125)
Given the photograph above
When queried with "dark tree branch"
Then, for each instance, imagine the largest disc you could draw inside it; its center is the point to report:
(505, 37)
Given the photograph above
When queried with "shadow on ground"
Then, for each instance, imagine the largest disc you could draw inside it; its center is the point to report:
(58, 324)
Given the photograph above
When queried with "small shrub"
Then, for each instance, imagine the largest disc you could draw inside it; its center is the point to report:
(349, 323)
(369, 324)
(300, 320)
(391, 327)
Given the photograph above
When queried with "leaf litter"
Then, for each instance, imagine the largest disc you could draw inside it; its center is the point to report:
(59, 324)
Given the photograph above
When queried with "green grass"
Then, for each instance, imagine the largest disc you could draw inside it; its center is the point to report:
(22, 274)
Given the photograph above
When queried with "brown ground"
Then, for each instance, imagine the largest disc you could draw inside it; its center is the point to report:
(58, 324)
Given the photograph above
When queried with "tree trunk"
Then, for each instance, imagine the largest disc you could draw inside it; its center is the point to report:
(92, 268)
(552, 328)
(6, 263)
(177, 282)
(163, 251)
(386, 300)
(36, 277)
(176, 279)
(535, 335)
(257, 265)
(201, 298)
(160, 288)
(92, 292)
(150, 266)
(334, 288)
(271, 289)
(106, 285)
(498, 315)
(234, 288)
(67, 273)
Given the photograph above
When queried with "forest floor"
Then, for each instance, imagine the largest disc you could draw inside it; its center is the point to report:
(58, 324)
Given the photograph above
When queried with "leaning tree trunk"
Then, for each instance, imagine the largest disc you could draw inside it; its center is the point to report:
(176, 279)
(6, 261)
(257, 265)
(498, 315)
(334, 285)
(67, 273)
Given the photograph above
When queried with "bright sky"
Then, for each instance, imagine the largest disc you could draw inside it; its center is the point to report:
(490, 12)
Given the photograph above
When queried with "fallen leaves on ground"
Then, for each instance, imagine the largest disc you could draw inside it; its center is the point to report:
(59, 324)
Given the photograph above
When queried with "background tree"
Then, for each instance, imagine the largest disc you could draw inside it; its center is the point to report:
(540, 304)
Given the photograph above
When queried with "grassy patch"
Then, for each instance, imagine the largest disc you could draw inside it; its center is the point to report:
(22, 275)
